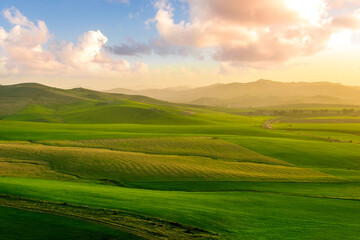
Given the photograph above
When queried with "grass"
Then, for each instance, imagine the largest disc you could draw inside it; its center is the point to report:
(305, 153)
(26, 168)
(138, 226)
(334, 136)
(188, 146)
(130, 114)
(339, 131)
(234, 215)
(12, 130)
(120, 166)
(177, 167)
(344, 190)
(24, 225)
(352, 128)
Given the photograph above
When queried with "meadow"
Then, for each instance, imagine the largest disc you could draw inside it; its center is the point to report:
(238, 181)
(158, 170)
(232, 214)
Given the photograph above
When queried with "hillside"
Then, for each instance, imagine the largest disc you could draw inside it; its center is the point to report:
(39, 103)
(260, 93)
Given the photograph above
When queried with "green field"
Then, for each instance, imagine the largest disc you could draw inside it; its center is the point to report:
(20, 224)
(235, 215)
(110, 166)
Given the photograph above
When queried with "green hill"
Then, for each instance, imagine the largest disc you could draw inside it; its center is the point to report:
(38, 103)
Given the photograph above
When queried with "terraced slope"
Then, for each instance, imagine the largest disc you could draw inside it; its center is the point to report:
(103, 164)
(188, 146)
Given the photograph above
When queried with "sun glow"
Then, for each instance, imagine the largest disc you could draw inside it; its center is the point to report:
(311, 10)
(340, 40)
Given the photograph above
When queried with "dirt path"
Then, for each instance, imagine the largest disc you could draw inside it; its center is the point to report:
(268, 124)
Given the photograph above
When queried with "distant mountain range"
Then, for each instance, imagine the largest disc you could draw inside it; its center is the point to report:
(260, 93)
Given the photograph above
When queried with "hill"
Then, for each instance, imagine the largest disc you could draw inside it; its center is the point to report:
(39, 103)
(260, 93)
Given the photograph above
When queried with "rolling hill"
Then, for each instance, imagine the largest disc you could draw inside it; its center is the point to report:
(260, 93)
(39, 103)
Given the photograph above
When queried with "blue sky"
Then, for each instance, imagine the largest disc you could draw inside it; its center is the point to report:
(69, 19)
(161, 43)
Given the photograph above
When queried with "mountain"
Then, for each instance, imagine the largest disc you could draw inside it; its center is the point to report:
(260, 93)
(36, 102)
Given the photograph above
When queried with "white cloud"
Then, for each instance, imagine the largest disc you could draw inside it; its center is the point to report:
(24, 51)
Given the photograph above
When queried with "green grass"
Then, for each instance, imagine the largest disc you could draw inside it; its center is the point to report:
(120, 166)
(143, 227)
(346, 190)
(234, 215)
(27, 225)
(205, 167)
(188, 146)
(334, 135)
(25, 168)
(305, 153)
(340, 131)
(36, 113)
(352, 128)
(131, 114)
(349, 174)
(12, 130)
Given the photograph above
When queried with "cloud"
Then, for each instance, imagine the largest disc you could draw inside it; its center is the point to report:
(29, 47)
(253, 32)
(336, 4)
(156, 45)
(350, 21)
(23, 44)
(131, 48)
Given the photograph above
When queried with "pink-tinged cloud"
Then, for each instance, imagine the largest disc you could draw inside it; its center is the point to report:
(24, 51)
(350, 21)
(254, 32)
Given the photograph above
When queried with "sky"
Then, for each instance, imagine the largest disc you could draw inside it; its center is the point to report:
(105, 44)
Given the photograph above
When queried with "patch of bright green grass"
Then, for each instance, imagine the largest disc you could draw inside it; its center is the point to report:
(352, 128)
(37, 113)
(332, 190)
(352, 175)
(334, 135)
(11, 130)
(305, 153)
(234, 215)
